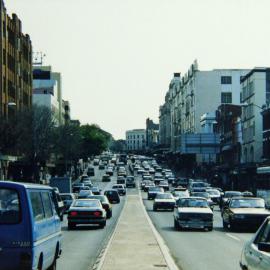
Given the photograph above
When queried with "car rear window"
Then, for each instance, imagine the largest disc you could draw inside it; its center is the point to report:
(87, 203)
(10, 212)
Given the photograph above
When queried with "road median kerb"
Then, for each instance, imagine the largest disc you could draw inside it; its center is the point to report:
(163, 247)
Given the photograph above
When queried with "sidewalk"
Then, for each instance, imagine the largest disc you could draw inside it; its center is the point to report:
(134, 245)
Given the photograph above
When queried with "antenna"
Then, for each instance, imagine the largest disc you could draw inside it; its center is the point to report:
(38, 58)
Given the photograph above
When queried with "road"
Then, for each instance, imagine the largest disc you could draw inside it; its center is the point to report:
(196, 249)
(82, 246)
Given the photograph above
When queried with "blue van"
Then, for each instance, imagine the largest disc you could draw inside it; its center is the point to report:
(30, 228)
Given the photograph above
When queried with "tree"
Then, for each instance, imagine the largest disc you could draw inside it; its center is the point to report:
(8, 138)
(94, 140)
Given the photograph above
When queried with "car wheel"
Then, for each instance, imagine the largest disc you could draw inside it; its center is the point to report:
(176, 225)
(109, 214)
(53, 266)
(71, 226)
(102, 225)
(225, 224)
(210, 228)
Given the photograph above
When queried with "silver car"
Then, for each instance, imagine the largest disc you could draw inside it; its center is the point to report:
(256, 252)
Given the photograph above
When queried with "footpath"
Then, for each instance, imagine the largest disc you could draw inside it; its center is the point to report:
(135, 244)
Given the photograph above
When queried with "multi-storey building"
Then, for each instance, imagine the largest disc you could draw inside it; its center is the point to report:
(15, 65)
(255, 94)
(136, 139)
(47, 91)
(152, 134)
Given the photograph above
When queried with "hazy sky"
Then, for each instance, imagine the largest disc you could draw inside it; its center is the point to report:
(117, 57)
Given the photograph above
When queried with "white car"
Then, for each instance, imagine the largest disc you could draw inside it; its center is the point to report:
(164, 201)
(256, 252)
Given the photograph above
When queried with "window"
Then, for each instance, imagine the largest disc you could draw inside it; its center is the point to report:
(264, 234)
(226, 79)
(226, 97)
(47, 204)
(9, 206)
(37, 207)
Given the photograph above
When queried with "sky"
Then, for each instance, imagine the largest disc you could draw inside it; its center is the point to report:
(117, 57)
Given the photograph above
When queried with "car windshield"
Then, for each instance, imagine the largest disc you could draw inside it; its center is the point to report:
(247, 203)
(164, 196)
(10, 211)
(86, 203)
(193, 203)
(201, 194)
(232, 194)
(213, 192)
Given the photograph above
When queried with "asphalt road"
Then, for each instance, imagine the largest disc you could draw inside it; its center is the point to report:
(197, 249)
(82, 246)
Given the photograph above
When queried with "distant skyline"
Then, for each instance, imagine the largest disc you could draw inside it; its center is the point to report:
(117, 57)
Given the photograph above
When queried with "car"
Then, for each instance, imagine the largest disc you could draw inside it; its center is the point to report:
(88, 184)
(105, 204)
(171, 179)
(227, 195)
(180, 182)
(198, 186)
(101, 166)
(178, 194)
(158, 180)
(84, 193)
(246, 212)
(86, 211)
(95, 190)
(147, 185)
(214, 195)
(204, 195)
(147, 177)
(91, 171)
(164, 201)
(140, 171)
(247, 194)
(68, 199)
(28, 216)
(153, 191)
(164, 184)
(106, 178)
(130, 182)
(256, 252)
(112, 195)
(77, 187)
(120, 188)
(109, 171)
(84, 177)
(193, 212)
(121, 180)
(96, 162)
(152, 171)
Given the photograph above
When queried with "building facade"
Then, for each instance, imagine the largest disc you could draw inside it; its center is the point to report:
(15, 65)
(136, 139)
(152, 134)
(255, 95)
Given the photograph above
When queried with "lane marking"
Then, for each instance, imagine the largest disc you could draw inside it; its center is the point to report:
(233, 237)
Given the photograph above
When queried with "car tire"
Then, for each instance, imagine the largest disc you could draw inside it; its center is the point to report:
(109, 214)
(210, 228)
(71, 226)
(176, 225)
(102, 225)
(225, 224)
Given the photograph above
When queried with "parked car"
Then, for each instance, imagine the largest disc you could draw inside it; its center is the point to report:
(86, 211)
(194, 213)
(120, 188)
(105, 204)
(256, 252)
(106, 178)
(27, 217)
(130, 182)
(242, 212)
(164, 201)
(153, 191)
(68, 199)
(112, 195)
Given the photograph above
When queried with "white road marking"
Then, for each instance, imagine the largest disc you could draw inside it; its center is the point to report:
(233, 237)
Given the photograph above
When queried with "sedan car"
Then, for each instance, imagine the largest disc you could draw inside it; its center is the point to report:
(214, 195)
(164, 201)
(148, 185)
(153, 191)
(105, 204)
(130, 182)
(164, 184)
(84, 193)
(86, 211)
(244, 212)
(120, 188)
(256, 252)
(204, 195)
(193, 212)
(95, 190)
(106, 178)
(178, 194)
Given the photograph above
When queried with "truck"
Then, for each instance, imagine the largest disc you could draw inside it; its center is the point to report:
(62, 183)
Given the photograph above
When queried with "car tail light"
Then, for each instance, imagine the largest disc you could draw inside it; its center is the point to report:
(97, 214)
(73, 213)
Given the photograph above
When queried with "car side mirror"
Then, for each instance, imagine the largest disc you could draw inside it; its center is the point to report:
(262, 246)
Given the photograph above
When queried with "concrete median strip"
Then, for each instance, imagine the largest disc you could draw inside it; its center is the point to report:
(135, 243)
